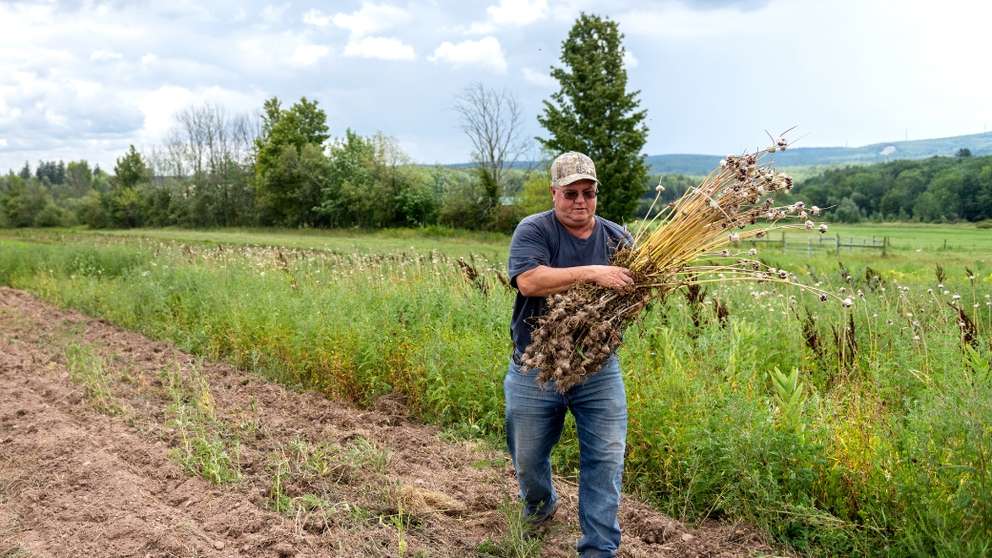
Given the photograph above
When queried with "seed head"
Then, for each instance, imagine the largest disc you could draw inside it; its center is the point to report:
(823, 228)
(847, 302)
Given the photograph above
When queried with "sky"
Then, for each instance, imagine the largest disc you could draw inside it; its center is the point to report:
(82, 79)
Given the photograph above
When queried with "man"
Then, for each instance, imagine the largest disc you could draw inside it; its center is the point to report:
(550, 252)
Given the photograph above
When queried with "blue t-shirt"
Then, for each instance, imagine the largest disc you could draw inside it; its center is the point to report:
(541, 240)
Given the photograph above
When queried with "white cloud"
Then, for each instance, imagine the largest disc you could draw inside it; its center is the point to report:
(381, 48)
(272, 14)
(3, 142)
(370, 18)
(308, 54)
(678, 21)
(539, 79)
(317, 18)
(517, 12)
(105, 55)
(509, 13)
(148, 59)
(484, 52)
(629, 60)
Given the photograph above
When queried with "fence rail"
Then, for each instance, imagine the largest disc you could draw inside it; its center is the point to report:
(834, 243)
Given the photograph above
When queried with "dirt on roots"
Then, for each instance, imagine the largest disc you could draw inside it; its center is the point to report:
(112, 444)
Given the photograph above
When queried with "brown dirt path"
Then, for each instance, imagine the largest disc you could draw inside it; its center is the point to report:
(108, 439)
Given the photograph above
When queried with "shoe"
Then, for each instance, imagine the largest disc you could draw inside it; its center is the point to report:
(536, 526)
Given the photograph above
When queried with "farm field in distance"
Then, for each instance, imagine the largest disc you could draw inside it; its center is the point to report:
(860, 431)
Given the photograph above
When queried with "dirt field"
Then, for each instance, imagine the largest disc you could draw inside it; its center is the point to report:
(112, 444)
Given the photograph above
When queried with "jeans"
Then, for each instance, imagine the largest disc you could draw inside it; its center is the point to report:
(535, 416)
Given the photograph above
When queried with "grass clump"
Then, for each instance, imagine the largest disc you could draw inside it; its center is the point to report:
(204, 448)
(87, 369)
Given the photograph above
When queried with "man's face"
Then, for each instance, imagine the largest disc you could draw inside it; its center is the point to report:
(575, 203)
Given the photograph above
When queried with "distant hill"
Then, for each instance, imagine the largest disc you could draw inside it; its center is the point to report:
(979, 144)
(697, 164)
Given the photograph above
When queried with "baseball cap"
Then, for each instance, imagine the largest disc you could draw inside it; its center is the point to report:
(571, 167)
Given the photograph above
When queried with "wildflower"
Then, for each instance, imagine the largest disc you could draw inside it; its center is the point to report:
(847, 302)
(803, 214)
(735, 237)
(752, 252)
(659, 188)
(809, 225)
(823, 228)
(940, 285)
(916, 338)
(783, 274)
(956, 297)
(815, 210)
(930, 291)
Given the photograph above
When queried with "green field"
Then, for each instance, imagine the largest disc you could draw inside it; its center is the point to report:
(881, 445)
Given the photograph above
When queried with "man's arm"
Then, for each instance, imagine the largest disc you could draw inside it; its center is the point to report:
(543, 280)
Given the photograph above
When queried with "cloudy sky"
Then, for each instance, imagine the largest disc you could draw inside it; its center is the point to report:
(83, 79)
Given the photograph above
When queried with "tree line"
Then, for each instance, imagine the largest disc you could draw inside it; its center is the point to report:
(938, 189)
(282, 167)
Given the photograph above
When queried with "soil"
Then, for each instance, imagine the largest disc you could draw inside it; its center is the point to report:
(96, 469)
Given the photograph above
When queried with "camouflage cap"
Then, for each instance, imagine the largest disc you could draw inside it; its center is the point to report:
(571, 167)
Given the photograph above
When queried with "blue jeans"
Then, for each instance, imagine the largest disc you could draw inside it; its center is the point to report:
(535, 416)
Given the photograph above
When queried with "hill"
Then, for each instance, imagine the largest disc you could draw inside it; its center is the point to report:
(694, 164)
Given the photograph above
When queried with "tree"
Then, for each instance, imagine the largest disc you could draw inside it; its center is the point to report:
(593, 113)
(963, 152)
(285, 196)
(492, 121)
(130, 169)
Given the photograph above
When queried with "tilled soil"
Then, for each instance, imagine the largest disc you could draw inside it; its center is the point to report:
(112, 444)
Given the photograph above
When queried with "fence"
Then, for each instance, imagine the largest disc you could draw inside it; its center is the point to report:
(821, 241)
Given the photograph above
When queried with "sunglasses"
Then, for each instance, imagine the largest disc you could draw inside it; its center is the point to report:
(572, 195)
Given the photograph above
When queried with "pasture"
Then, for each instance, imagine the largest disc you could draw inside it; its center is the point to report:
(860, 431)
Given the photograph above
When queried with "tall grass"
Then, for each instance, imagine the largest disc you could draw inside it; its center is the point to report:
(885, 451)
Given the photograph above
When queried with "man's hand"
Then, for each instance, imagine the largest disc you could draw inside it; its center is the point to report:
(609, 276)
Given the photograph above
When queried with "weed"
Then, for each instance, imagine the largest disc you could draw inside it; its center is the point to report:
(204, 447)
(518, 540)
(87, 369)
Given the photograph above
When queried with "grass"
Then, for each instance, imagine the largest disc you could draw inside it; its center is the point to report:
(518, 541)
(87, 369)
(204, 447)
(885, 453)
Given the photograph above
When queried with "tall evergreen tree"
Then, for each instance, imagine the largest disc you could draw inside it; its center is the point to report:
(593, 113)
(130, 169)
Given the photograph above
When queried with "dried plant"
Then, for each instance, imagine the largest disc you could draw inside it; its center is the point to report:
(585, 324)
(969, 332)
(811, 334)
(472, 276)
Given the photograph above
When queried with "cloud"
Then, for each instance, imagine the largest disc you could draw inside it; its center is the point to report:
(510, 13)
(629, 60)
(380, 48)
(517, 12)
(678, 21)
(370, 18)
(317, 18)
(484, 52)
(105, 55)
(540, 79)
(307, 54)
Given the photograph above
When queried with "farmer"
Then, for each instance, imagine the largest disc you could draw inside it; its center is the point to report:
(550, 252)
